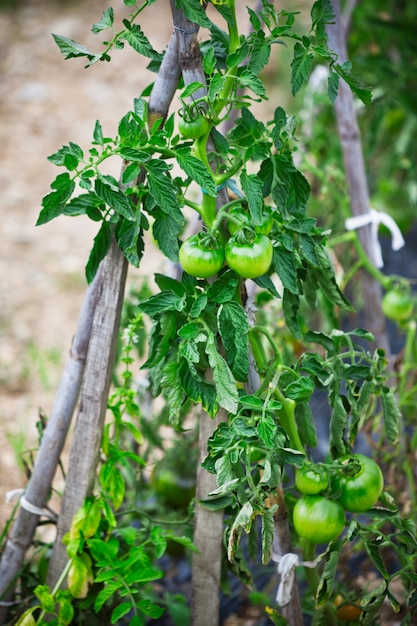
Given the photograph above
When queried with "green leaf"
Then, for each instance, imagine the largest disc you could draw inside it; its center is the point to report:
(106, 21)
(305, 424)
(54, 203)
(252, 187)
(164, 192)
(259, 54)
(300, 67)
(392, 415)
(267, 535)
(68, 156)
(86, 203)
(333, 86)
(120, 610)
(223, 288)
(233, 328)
(300, 390)
(363, 93)
(284, 265)
(129, 239)
(77, 578)
(136, 38)
(27, 618)
(171, 383)
(253, 82)
(45, 597)
(327, 280)
(99, 250)
(195, 13)
(197, 389)
(267, 430)
(106, 593)
(265, 282)
(196, 170)
(98, 134)
(290, 307)
(150, 609)
(338, 424)
(161, 302)
(226, 390)
(165, 230)
(71, 49)
(373, 548)
(243, 520)
(114, 198)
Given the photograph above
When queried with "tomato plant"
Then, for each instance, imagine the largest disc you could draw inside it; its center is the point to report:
(311, 479)
(318, 519)
(249, 258)
(397, 304)
(359, 483)
(201, 256)
(224, 346)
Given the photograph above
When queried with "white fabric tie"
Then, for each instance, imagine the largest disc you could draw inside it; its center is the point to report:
(375, 218)
(25, 504)
(286, 569)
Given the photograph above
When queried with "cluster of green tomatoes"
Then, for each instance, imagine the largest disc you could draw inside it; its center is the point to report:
(353, 483)
(248, 251)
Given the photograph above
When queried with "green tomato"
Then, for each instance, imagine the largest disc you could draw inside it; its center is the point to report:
(239, 214)
(249, 259)
(397, 304)
(311, 479)
(318, 519)
(201, 259)
(358, 491)
(193, 128)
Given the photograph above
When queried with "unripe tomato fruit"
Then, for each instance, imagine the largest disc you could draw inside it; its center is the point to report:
(359, 492)
(249, 259)
(397, 304)
(311, 479)
(318, 519)
(193, 128)
(201, 261)
(238, 213)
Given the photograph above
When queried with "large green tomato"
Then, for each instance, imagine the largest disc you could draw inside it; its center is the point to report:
(199, 259)
(318, 519)
(358, 490)
(249, 259)
(311, 479)
(397, 304)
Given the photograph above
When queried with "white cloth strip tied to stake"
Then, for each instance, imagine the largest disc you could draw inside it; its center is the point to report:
(286, 570)
(25, 504)
(375, 218)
